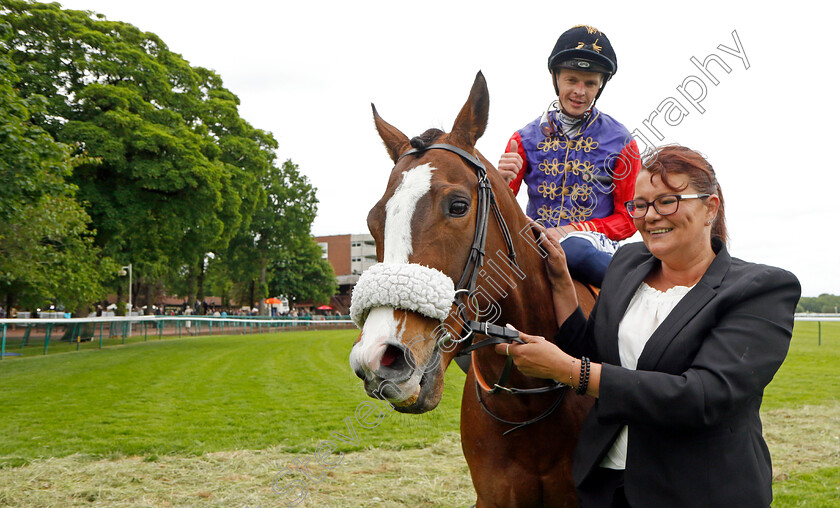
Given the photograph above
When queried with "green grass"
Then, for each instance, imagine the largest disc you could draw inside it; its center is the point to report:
(158, 401)
(198, 395)
(811, 373)
(810, 376)
(816, 489)
(35, 345)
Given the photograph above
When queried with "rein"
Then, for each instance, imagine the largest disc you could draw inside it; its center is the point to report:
(496, 334)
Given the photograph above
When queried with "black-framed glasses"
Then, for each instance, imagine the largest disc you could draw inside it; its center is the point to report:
(664, 205)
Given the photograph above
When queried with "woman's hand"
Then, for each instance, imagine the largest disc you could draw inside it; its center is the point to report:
(538, 357)
(563, 294)
(555, 261)
(541, 358)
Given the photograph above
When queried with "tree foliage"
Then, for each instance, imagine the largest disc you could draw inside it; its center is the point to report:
(825, 303)
(302, 274)
(177, 167)
(274, 253)
(167, 171)
(46, 251)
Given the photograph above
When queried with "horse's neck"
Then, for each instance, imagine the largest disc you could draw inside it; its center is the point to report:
(523, 291)
(526, 302)
(528, 305)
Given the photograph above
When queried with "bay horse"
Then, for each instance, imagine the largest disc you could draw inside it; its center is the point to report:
(449, 273)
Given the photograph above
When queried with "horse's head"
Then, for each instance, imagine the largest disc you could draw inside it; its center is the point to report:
(424, 227)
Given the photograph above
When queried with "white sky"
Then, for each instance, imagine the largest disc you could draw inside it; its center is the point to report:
(308, 71)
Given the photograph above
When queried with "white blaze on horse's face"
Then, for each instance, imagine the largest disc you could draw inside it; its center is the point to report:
(400, 210)
(382, 327)
(379, 326)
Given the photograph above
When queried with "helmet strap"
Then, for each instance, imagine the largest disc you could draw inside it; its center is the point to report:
(603, 85)
(592, 106)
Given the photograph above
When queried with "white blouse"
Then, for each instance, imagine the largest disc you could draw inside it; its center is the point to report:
(648, 308)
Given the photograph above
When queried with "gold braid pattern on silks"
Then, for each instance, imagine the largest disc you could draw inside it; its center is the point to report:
(548, 215)
(581, 200)
(578, 167)
(552, 143)
(551, 168)
(582, 192)
(555, 143)
(585, 144)
(549, 190)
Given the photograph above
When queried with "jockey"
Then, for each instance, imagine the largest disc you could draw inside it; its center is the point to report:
(578, 163)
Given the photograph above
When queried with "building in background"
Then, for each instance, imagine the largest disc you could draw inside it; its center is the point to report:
(349, 255)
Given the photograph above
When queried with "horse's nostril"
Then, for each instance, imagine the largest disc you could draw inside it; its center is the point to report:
(393, 358)
(360, 372)
(389, 356)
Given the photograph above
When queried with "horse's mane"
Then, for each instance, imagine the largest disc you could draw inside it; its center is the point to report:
(427, 138)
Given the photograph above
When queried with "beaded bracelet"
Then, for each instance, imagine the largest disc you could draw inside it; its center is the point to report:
(584, 376)
(586, 381)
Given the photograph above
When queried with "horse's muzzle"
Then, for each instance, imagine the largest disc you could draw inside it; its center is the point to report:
(395, 364)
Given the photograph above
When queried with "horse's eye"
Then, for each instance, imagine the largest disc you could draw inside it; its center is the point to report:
(458, 208)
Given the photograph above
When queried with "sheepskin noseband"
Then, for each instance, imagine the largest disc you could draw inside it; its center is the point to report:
(402, 286)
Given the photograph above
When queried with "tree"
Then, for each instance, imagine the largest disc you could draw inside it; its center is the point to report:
(825, 303)
(174, 181)
(277, 253)
(46, 251)
(301, 274)
(178, 170)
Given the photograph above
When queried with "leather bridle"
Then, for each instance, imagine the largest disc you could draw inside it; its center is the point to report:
(485, 202)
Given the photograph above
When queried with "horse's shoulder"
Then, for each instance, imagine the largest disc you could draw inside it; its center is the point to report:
(586, 296)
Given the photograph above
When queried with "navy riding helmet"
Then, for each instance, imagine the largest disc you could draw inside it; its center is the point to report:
(583, 48)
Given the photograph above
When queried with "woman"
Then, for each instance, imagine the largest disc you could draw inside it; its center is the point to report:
(678, 350)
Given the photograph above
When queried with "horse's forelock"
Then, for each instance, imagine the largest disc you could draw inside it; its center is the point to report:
(427, 138)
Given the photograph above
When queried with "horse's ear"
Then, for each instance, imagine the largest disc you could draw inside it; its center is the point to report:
(395, 141)
(472, 120)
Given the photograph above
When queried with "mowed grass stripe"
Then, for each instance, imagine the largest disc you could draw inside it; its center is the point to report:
(198, 395)
(810, 374)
